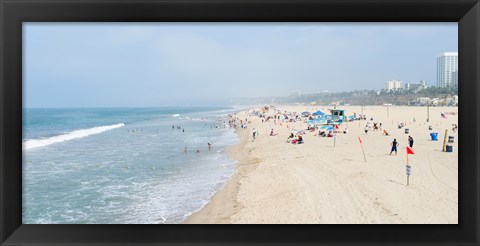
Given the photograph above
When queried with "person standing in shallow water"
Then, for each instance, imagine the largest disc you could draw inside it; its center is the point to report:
(394, 146)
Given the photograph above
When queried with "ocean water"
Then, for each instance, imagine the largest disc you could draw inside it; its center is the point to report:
(122, 165)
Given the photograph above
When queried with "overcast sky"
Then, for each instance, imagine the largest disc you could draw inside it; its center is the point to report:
(154, 64)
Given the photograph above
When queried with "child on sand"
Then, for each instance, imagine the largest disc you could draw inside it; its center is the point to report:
(394, 145)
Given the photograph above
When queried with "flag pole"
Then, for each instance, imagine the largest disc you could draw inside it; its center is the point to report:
(363, 152)
(361, 145)
(408, 176)
(408, 168)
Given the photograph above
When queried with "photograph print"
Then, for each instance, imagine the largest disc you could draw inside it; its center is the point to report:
(240, 123)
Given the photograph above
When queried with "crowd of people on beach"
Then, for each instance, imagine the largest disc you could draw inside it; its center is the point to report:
(296, 136)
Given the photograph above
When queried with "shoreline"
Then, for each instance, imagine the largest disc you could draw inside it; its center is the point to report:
(224, 202)
(276, 182)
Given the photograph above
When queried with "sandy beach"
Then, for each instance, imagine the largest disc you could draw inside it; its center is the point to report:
(327, 181)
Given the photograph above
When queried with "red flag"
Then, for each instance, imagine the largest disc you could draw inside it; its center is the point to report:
(410, 151)
(359, 139)
(336, 126)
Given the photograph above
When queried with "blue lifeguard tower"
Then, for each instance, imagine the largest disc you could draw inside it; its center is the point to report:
(336, 116)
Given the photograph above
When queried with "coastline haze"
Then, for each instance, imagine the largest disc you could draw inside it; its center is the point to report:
(152, 65)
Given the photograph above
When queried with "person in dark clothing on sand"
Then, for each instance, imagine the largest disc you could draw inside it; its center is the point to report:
(394, 146)
(410, 141)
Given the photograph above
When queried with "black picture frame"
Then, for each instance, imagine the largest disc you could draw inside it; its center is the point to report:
(14, 12)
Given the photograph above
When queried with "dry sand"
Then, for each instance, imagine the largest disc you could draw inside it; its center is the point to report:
(317, 182)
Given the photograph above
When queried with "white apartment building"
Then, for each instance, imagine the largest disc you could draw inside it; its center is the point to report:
(393, 85)
(447, 69)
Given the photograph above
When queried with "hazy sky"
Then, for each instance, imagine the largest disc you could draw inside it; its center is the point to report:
(154, 64)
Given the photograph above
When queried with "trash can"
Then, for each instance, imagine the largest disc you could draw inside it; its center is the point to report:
(434, 136)
(449, 148)
(407, 130)
(451, 139)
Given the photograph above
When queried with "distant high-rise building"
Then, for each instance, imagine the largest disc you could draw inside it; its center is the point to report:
(447, 69)
(393, 85)
(455, 79)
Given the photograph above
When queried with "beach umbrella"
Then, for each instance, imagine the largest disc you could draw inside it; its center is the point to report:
(315, 121)
(299, 132)
(319, 113)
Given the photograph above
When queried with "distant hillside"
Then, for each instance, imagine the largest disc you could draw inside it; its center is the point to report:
(364, 97)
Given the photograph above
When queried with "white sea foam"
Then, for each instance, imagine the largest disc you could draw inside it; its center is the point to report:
(36, 143)
(175, 115)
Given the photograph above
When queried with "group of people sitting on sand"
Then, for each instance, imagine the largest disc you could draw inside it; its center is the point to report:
(325, 134)
(292, 139)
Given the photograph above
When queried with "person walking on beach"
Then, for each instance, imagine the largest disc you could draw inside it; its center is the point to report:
(410, 141)
(254, 133)
(394, 146)
(366, 129)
